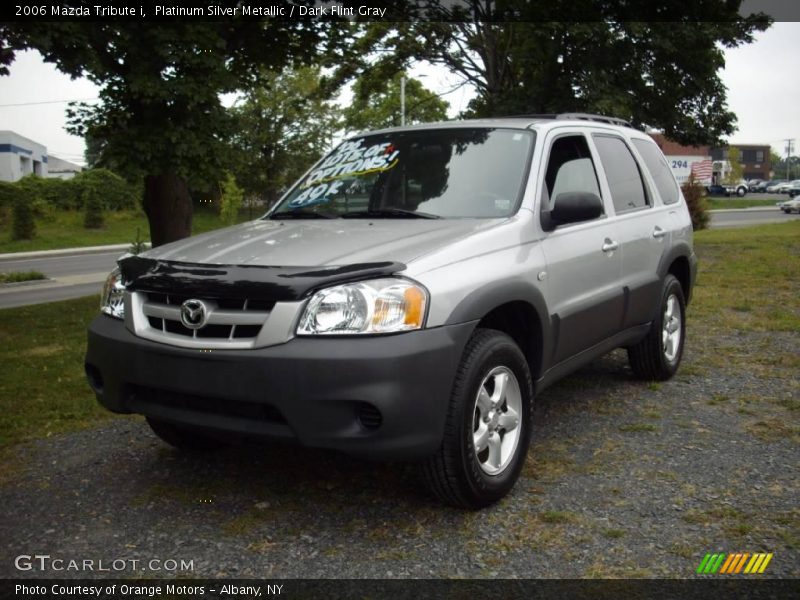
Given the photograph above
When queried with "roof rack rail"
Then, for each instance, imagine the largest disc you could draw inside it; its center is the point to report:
(575, 116)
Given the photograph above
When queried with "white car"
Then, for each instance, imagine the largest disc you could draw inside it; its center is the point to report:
(783, 188)
(791, 206)
(773, 189)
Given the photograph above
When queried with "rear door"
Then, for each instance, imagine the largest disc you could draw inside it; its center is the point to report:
(643, 222)
(584, 264)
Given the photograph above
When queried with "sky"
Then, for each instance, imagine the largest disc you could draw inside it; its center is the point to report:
(762, 82)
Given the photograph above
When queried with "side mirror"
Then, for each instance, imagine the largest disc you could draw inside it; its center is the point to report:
(572, 207)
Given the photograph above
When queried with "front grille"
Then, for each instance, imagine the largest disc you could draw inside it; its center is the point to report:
(142, 397)
(228, 319)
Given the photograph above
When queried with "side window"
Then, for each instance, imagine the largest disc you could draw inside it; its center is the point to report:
(659, 169)
(624, 179)
(570, 168)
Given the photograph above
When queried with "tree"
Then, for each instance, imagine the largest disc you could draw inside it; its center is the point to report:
(280, 129)
(378, 106)
(655, 66)
(232, 196)
(160, 113)
(735, 171)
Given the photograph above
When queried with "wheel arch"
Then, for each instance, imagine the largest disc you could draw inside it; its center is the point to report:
(516, 308)
(680, 262)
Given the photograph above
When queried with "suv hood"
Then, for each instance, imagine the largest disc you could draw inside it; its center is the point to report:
(321, 242)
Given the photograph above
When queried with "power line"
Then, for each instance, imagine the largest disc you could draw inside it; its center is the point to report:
(48, 102)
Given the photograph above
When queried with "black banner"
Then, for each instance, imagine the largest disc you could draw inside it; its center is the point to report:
(372, 10)
(417, 589)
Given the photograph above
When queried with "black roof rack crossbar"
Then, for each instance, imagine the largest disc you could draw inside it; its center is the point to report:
(574, 116)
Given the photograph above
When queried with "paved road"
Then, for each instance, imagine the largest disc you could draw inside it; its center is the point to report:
(82, 274)
(750, 216)
(69, 277)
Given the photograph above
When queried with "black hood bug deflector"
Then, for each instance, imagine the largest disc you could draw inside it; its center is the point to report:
(251, 281)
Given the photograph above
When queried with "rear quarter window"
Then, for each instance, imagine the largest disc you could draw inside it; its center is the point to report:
(659, 170)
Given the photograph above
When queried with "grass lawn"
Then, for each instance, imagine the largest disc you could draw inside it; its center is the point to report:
(720, 203)
(65, 229)
(749, 279)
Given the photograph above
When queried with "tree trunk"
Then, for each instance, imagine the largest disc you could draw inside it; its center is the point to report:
(168, 207)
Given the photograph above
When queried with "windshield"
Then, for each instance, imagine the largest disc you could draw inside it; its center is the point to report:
(427, 174)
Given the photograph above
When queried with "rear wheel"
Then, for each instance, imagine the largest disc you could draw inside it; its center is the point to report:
(488, 424)
(182, 437)
(658, 355)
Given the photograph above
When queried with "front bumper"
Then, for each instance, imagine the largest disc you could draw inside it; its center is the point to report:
(383, 396)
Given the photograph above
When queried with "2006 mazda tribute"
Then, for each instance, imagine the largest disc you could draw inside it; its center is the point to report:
(409, 297)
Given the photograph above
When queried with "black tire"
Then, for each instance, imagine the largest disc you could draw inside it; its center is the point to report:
(183, 437)
(456, 474)
(741, 192)
(650, 358)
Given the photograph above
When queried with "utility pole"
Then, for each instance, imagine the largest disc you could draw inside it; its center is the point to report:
(789, 148)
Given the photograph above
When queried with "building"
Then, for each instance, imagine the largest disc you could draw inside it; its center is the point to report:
(20, 156)
(62, 169)
(754, 158)
(683, 160)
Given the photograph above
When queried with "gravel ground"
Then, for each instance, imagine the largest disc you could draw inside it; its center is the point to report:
(624, 479)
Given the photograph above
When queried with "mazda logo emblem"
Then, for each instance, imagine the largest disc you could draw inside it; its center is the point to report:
(194, 314)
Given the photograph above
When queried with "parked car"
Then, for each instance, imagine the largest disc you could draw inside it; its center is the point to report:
(792, 205)
(773, 187)
(794, 191)
(762, 187)
(480, 262)
(752, 185)
(785, 187)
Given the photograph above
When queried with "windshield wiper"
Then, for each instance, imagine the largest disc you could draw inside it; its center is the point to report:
(391, 213)
(300, 213)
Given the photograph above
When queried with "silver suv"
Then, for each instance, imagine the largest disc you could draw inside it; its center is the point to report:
(409, 297)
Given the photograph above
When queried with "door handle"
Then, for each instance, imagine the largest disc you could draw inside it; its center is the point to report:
(609, 245)
(659, 233)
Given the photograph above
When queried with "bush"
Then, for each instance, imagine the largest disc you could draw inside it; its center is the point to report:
(93, 218)
(232, 196)
(8, 194)
(23, 227)
(695, 196)
(112, 190)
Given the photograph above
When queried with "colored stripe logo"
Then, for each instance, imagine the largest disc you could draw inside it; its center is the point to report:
(733, 564)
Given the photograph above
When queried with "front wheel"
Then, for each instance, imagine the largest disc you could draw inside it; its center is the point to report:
(658, 355)
(487, 432)
(741, 192)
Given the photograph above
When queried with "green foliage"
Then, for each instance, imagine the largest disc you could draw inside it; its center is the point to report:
(19, 276)
(695, 196)
(8, 194)
(160, 84)
(93, 217)
(232, 196)
(139, 245)
(23, 227)
(281, 128)
(736, 172)
(376, 106)
(113, 192)
(578, 56)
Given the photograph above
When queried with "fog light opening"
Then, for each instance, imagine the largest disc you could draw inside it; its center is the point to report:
(94, 377)
(369, 416)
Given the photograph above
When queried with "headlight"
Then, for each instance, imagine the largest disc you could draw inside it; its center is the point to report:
(377, 306)
(111, 300)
